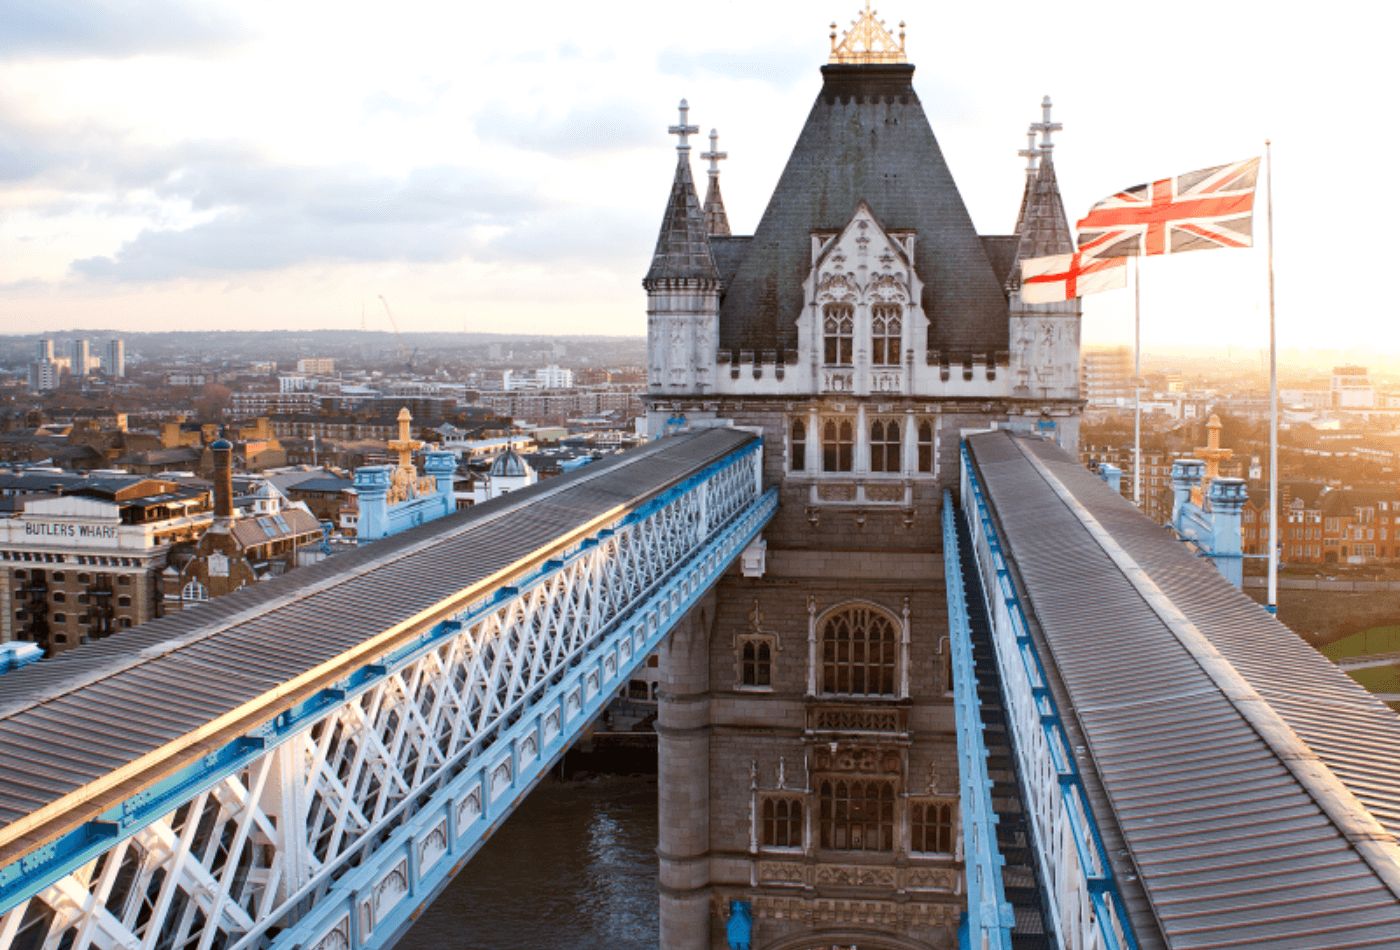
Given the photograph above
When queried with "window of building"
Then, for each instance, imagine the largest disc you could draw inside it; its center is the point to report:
(857, 814)
(194, 591)
(123, 601)
(884, 445)
(123, 579)
(59, 597)
(858, 652)
(60, 618)
(84, 578)
(782, 821)
(838, 445)
(931, 825)
(925, 446)
(755, 660)
(885, 324)
(799, 445)
(58, 575)
(838, 332)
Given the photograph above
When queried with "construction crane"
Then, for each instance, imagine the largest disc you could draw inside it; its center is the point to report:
(404, 354)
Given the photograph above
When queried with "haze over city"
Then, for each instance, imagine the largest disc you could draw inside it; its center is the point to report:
(257, 165)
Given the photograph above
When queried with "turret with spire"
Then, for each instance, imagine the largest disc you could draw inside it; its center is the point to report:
(1044, 337)
(682, 283)
(716, 221)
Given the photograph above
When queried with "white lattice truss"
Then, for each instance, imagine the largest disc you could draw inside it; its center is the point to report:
(320, 840)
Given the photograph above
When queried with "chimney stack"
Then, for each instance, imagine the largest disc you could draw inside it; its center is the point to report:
(223, 479)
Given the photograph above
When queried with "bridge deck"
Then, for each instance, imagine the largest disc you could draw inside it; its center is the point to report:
(1257, 787)
(89, 728)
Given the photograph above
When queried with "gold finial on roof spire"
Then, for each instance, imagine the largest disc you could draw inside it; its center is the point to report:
(868, 41)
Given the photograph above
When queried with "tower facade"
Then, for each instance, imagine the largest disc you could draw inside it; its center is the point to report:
(807, 749)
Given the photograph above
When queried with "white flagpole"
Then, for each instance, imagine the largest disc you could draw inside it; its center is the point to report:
(1137, 386)
(1272, 605)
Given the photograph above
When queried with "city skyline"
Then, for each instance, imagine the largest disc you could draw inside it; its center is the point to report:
(251, 170)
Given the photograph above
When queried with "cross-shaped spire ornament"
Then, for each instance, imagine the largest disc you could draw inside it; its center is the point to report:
(1045, 126)
(1030, 153)
(682, 130)
(714, 156)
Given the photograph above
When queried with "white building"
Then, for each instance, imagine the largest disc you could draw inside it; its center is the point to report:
(115, 363)
(549, 377)
(43, 375)
(1351, 388)
(316, 366)
(81, 356)
(294, 384)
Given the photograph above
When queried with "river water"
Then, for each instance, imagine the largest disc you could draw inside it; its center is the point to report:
(574, 867)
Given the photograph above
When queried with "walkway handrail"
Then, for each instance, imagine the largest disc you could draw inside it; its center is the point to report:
(989, 915)
(1085, 905)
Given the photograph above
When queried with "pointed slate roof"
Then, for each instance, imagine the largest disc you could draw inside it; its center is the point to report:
(683, 246)
(1044, 229)
(716, 221)
(866, 138)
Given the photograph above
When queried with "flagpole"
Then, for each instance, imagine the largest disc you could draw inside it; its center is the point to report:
(1272, 605)
(1137, 386)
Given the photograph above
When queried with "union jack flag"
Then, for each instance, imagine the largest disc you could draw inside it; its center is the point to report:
(1210, 208)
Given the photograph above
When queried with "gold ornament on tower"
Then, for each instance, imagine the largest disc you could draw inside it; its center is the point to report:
(868, 41)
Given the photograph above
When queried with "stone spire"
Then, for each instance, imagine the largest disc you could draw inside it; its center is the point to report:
(1030, 153)
(716, 221)
(683, 246)
(1043, 228)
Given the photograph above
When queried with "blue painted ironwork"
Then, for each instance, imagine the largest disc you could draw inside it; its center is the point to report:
(990, 917)
(1084, 900)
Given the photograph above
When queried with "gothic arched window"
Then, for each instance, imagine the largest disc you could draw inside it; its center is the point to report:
(838, 445)
(885, 335)
(838, 333)
(931, 826)
(782, 821)
(799, 445)
(859, 648)
(884, 446)
(755, 661)
(925, 446)
(857, 815)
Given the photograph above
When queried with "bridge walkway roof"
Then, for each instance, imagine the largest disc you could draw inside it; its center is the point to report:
(1255, 785)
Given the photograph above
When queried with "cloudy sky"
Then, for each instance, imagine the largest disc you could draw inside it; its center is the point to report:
(503, 167)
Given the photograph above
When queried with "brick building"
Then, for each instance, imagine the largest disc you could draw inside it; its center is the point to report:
(86, 563)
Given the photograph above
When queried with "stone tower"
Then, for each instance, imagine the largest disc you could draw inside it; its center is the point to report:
(807, 746)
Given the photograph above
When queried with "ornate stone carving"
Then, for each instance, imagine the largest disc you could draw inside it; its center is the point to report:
(856, 759)
(782, 872)
(880, 492)
(845, 875)
(931, 879)
(855, 719)
(836, 491)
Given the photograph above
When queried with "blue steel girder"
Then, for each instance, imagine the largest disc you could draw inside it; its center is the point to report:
(989, 915)
(340, 816)
(1084, 903)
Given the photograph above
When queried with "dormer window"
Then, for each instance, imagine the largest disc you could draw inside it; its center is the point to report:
(839, 324)
(886, 326)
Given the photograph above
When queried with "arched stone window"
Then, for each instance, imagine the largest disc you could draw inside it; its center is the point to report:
(782, 821)
(838, 445)
(925, 446)
(799, 445)
(884, 445)
(195, 592)
(885, 333)
(838, 334)
(931, 825)
(857, 814)
(859, 649)
(755, 661)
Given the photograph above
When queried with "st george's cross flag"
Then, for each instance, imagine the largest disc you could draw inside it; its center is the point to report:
(1066, 276)
(1210, 208)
